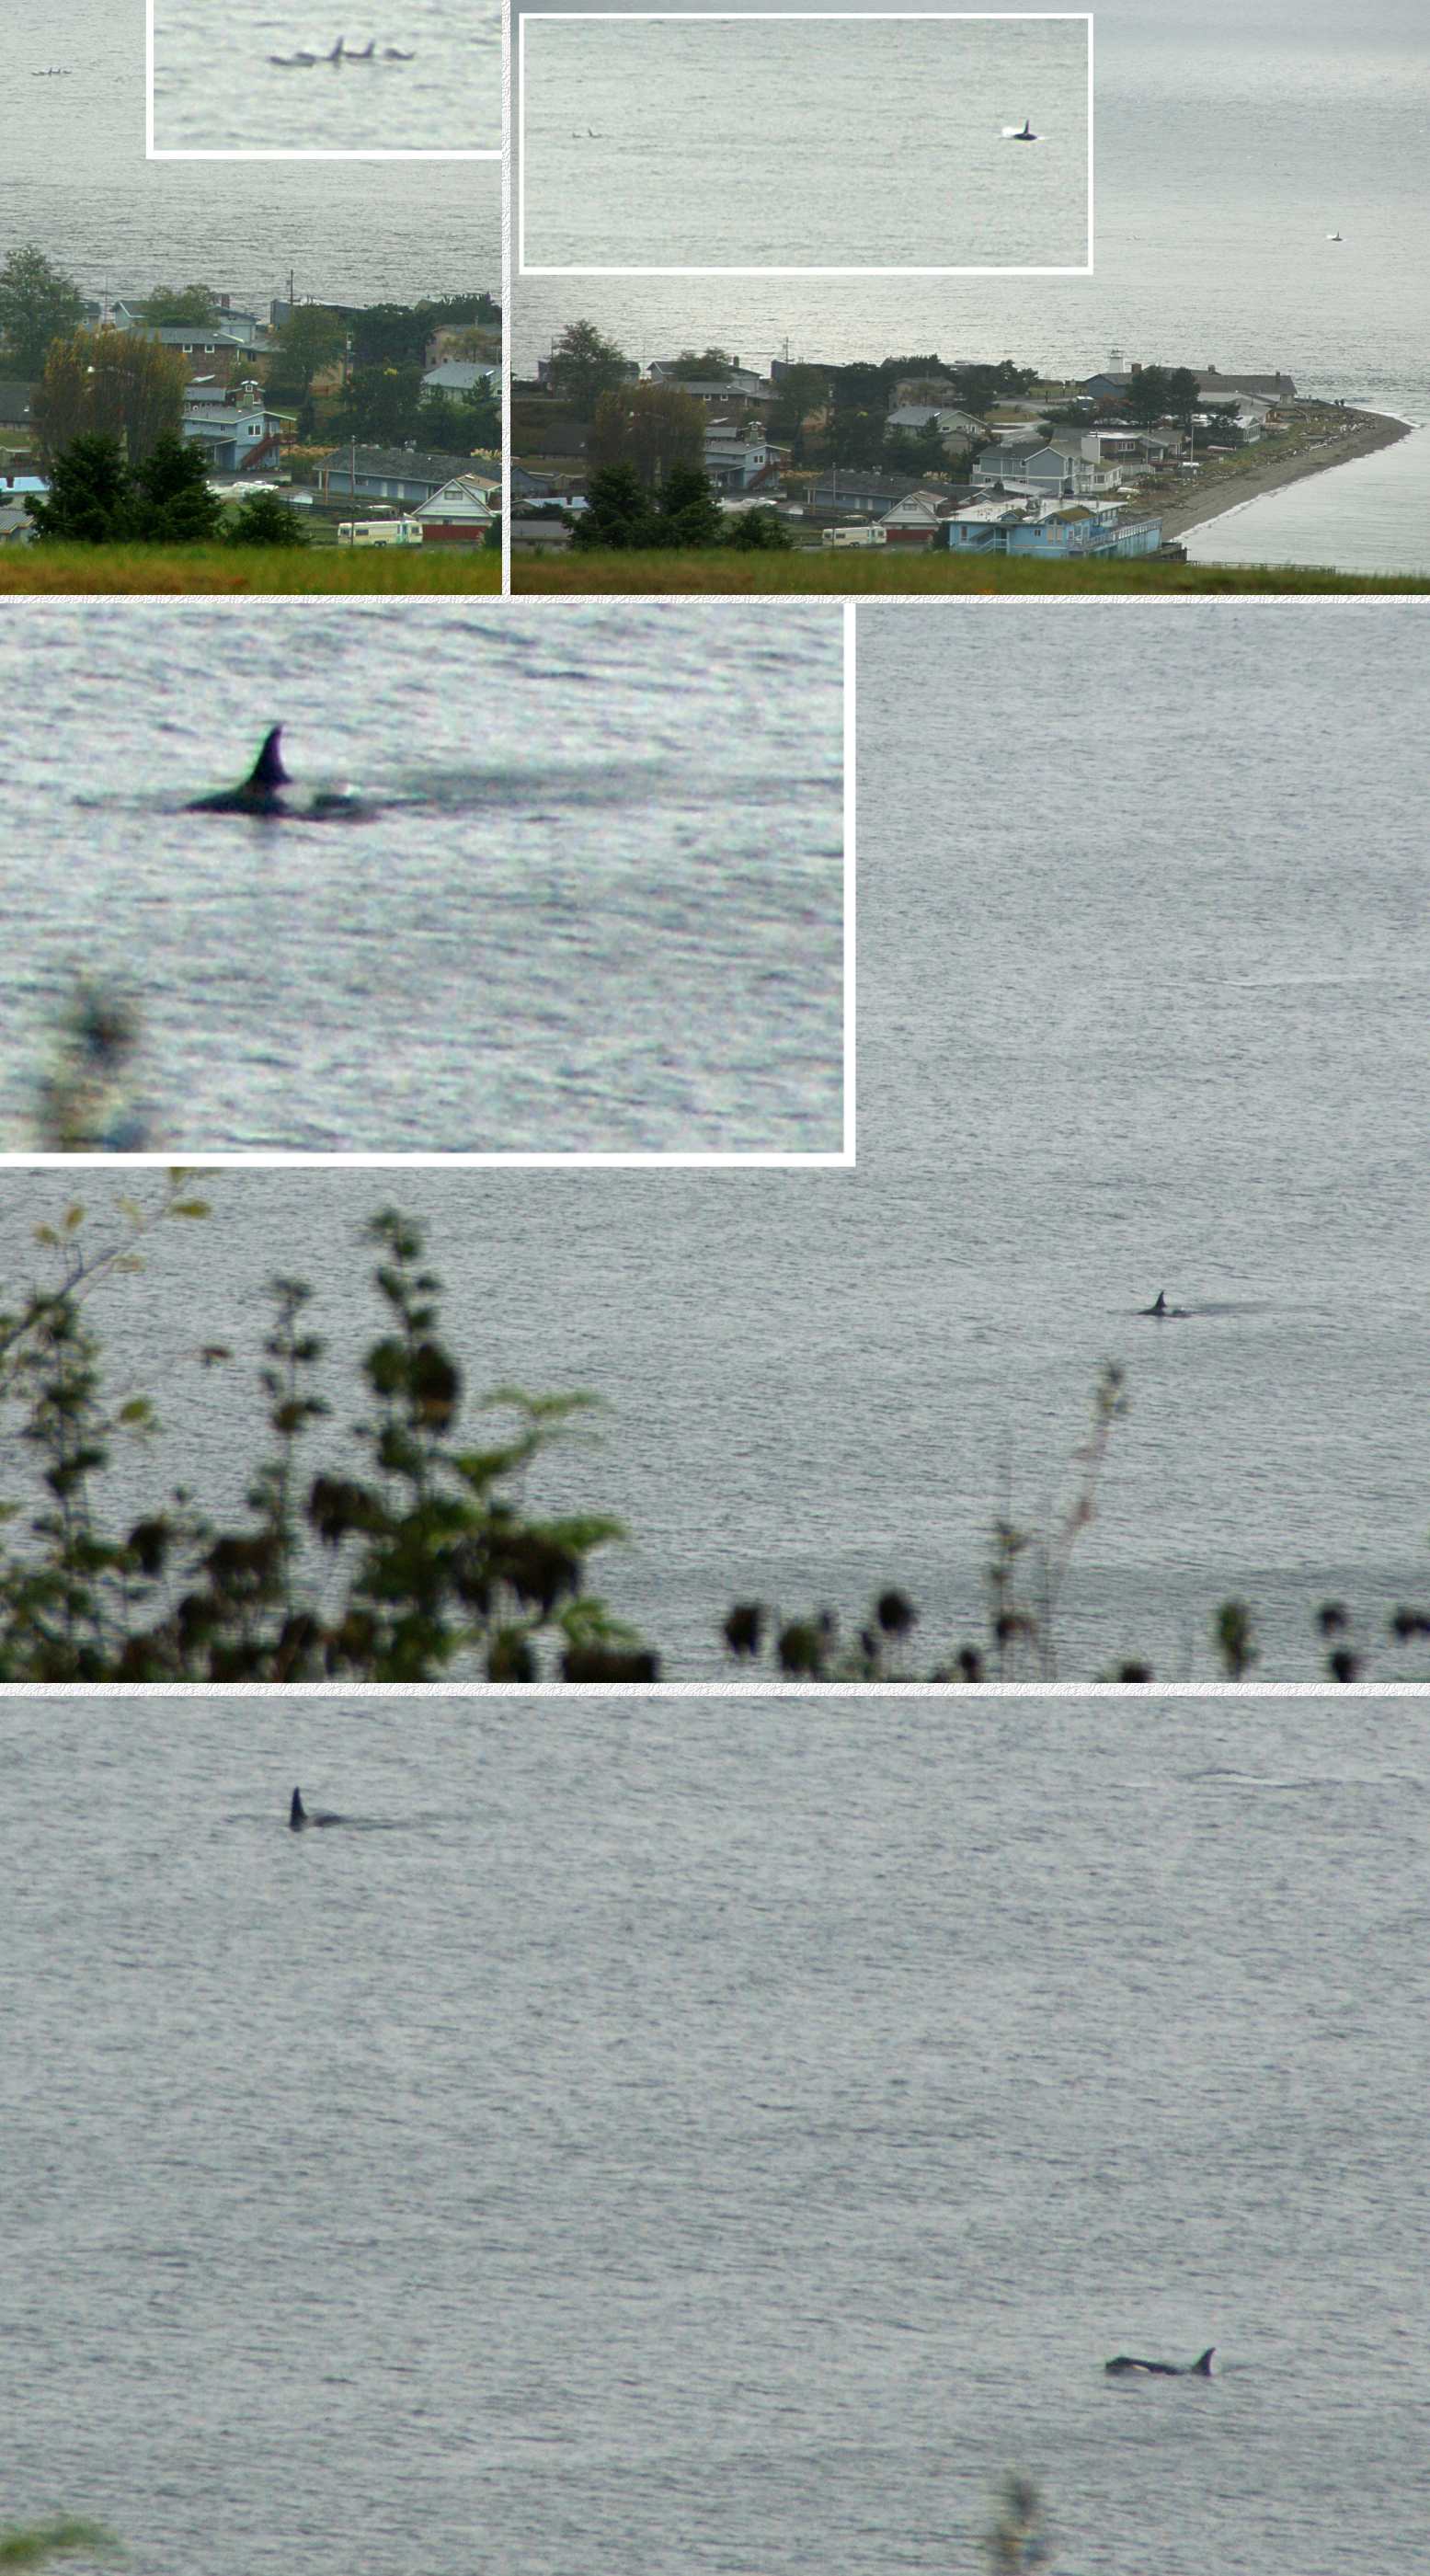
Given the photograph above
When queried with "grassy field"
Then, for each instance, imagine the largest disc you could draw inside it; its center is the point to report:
(248, 569)
(858, 574)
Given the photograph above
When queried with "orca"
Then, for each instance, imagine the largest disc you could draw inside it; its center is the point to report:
(1161, 1306)
(1024, 133)
(298, 1818)
(1124, 2364)
(394, 54)
(259, 792)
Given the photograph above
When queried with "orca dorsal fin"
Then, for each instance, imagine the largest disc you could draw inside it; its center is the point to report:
(268, 769)
(1202, 2369)
(297, 1813)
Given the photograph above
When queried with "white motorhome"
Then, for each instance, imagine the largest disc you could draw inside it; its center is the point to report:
(851, 536)
(380, 532)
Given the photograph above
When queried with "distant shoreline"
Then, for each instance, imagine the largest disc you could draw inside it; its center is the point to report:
(1370, 430)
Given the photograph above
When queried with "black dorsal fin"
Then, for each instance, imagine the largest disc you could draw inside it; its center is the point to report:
(1203, 2368)
(268, 769)
(297, 1813)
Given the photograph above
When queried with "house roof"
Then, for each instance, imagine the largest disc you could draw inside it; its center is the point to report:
(847, 480)
(460, 375)
(420, 465)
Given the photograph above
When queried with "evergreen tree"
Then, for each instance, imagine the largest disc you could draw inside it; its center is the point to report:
(688, 512)
(173, 504)
(618, 511)
(90, 501)
(266, 519)
(761, 529)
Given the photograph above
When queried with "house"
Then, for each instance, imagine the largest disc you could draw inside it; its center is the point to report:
(459, 515)
(741, 385)
(955, 427)
(526, 484)
(1042, 469)
(405, 474)
(857, 491)
(460, 376)
(16, 525)
(917, 520)
(196, 340)
(233, 425)
(1138, 451)
(1114, 383)
(1060, 530)
(14, 403)
(736, 457)
(551, 535)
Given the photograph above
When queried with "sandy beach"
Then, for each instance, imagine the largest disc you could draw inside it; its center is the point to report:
(1364, 432)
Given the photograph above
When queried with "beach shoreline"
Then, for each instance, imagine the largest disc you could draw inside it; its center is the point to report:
(1367, 431)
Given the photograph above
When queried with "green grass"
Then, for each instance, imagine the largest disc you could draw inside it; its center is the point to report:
(266, 569)
(846, 570)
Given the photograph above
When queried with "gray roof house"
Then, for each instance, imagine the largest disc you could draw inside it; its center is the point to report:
(405, 474)
(856, 487)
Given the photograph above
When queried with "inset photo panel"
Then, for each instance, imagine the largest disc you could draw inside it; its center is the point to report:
(269, 78)
(798, 142)
(219, 379)
(375, 879)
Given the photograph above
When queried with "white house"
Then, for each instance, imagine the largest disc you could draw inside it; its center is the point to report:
(460, 376)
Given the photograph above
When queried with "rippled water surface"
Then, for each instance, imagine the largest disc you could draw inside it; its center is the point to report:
(74, 179)
(273, 75)
(1142, 1005)
(710, 2136)
(855, 143)
(587, 893)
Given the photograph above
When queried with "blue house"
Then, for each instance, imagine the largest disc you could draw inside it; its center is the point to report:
(1060, 531)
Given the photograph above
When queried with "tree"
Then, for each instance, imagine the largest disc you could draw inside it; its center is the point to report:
(584, 366)
(196, 304)
(382, 403)
(173, 504)
(89, 500)
(688, 513)
(759, 529)
(1183, 394)
(1148, 395)
(425, 1555)
(618, 511)
(655, 428)
(96, 498)
(310, 340)
(800, 392)
(113, 384)
(441, 423)
(483, 404)
(266, 519)
(712, 366)
(38, 304)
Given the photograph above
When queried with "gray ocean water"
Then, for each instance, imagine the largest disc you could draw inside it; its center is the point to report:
(74, 179)
(716, 2137)
(589, 896)
(235, 78)
(1229, 144)
(1142, 1006)
(753, 143)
